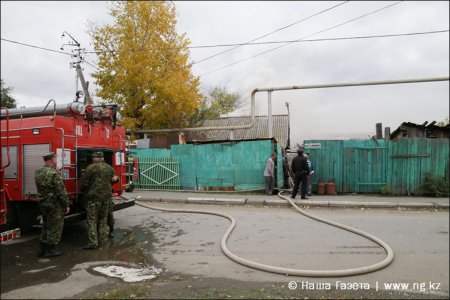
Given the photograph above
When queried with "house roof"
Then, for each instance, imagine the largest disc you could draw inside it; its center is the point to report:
(258, 131)
(405, 125)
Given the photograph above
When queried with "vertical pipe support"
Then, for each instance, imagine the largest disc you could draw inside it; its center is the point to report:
(270, 120)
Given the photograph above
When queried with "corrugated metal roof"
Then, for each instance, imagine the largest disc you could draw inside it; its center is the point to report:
(258, 131)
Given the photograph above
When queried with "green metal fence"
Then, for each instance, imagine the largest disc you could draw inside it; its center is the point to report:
(162, 173)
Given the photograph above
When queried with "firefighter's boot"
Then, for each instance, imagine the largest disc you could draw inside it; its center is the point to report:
(111, 232)
(42, 247)
(50, 251)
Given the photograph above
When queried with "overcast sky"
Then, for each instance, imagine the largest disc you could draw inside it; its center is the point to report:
(338, 113)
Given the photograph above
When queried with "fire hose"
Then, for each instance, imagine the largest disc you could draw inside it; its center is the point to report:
(287, 271)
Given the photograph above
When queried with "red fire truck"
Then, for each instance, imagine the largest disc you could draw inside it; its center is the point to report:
(73, 132)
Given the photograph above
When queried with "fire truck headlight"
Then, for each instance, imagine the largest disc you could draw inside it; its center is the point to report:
(35, 131)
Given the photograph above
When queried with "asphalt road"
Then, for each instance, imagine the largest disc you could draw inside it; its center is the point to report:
(189, 244)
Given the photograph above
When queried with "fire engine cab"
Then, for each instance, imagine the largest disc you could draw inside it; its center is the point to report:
(73, 131)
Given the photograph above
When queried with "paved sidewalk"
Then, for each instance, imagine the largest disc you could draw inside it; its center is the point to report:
(242, 198)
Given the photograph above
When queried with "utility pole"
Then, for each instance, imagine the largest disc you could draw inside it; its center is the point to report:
(77, 60)
(88, 99)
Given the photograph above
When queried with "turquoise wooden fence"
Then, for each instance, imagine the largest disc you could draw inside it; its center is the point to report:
(364, 166)
(236, 165)
(413, 158)
(356, 166)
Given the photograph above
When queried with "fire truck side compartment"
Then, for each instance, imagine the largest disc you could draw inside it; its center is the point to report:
(32, 160)
(11, 170)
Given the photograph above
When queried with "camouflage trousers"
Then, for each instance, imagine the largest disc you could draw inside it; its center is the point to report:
(96, 219)
(53, 223)
(110, 221)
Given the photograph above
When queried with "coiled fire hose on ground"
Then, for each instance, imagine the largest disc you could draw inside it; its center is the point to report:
(287, 271)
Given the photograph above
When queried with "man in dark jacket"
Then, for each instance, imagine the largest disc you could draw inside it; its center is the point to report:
(301, 171)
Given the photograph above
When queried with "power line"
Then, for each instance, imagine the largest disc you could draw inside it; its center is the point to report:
(32, 46)
(305, 40)
(279, 29)
(91, 64)
(264, 43)
(273, 49)
(323, 40)
(241, 44)
(42, 48)
(312, 40)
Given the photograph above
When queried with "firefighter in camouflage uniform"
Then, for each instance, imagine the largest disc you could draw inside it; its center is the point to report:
(53, 203)
(95, 185)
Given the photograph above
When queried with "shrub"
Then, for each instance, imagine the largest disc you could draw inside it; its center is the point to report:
(434, 186)
(385, 190)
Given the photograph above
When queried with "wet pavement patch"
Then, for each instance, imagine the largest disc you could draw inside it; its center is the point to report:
(20, 266)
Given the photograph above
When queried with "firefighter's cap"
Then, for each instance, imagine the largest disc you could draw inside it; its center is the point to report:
(49, 156)
(97, 155)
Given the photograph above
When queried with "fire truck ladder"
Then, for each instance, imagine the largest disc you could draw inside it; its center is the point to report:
(125, 162)
(2, 170)
(70, 166)
(14, 233)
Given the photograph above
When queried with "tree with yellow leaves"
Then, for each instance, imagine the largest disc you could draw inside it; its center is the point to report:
(143, 66)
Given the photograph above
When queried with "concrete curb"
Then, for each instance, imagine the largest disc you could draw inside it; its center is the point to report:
(416, 205)
(379, 205)
(307, 203)
(312, 203)
(344, 204)
(216, 201)
(276, 202)
(441, 205)
(254, 202)
(166, 200)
